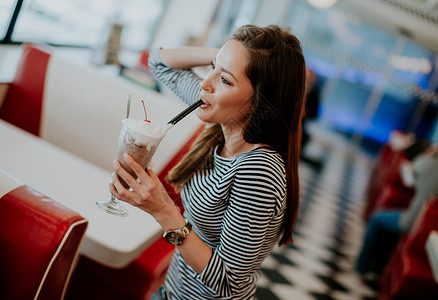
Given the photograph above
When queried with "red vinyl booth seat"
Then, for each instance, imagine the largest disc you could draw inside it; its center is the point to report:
(141, 278)
(385, 172)
(23, 102)
(408, 274)
(379, 169)
(39, 242)
(394, 195)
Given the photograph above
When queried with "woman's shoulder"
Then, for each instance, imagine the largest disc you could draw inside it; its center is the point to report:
(263, 170)
(261, 153)
(263, 159)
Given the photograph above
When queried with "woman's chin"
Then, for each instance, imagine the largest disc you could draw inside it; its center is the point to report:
(203, 116)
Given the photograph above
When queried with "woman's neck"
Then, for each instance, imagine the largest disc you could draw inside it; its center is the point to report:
(234, 143)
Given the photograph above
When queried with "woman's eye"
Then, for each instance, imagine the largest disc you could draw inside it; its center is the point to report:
(224, 80)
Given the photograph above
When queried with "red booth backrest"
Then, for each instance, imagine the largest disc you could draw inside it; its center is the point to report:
(23, 101)
(39, 242)
(385, 171)
(143, 61)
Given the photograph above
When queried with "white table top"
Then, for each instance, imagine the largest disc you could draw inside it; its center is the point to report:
(432, 252)
(111, 240)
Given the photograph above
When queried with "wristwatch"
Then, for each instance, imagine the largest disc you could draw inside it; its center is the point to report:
(177, 236)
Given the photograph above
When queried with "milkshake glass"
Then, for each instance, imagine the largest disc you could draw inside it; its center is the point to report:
(140, 139)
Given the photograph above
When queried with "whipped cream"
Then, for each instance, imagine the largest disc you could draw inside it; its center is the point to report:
(144, 128)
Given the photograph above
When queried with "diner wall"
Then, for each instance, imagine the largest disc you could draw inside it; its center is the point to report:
(370, 74)
(184, 20)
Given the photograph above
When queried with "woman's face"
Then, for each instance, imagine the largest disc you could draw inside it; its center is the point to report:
(226, 91)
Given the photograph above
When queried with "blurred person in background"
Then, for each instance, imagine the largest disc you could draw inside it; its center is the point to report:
(310, 113)
(422, 173)
(312, 103)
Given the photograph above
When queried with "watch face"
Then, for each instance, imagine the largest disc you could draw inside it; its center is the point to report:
(173, 238)
(176, 237)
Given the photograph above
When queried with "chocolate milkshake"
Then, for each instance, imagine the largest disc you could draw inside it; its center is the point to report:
(140, 139)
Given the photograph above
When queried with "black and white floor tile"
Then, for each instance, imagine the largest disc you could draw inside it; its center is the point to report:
(328, 235)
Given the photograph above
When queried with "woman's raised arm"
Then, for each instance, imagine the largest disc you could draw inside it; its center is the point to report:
(188, 57)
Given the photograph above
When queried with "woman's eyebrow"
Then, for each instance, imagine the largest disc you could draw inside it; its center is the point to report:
(228, 72)
(225, 70)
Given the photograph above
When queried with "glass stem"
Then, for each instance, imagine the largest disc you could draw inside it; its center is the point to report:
(114, 204)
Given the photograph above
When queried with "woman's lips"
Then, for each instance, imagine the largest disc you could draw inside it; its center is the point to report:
(205, 105)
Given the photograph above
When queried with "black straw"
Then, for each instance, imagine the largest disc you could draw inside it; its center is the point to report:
(185, 112)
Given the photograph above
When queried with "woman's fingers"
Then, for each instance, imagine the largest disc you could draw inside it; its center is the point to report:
(121, 193)
(118, 187)
(148, 193)
(137, 169)
(113, 190)
(116, 194)
(131, 181)
(117, 184)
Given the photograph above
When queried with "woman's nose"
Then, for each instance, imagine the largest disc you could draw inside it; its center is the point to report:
(206, 85)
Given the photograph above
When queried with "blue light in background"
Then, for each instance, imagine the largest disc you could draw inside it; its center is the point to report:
(362, 77)
(324, 69)
(353, 59)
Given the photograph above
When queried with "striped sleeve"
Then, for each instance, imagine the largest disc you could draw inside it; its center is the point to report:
(249, 228)
(184, 83)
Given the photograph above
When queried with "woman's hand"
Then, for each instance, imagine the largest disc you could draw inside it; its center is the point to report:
(148, 193)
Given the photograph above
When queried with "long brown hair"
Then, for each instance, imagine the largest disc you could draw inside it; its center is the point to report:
(276, 69)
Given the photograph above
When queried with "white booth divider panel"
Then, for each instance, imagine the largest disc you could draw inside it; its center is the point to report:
(83, 111)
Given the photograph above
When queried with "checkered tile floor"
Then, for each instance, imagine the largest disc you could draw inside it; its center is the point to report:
(319, 265)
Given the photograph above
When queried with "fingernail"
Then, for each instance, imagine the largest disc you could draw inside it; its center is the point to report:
(114, 162)
(125, 154)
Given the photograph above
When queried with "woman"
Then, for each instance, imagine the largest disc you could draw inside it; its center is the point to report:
(239, 183)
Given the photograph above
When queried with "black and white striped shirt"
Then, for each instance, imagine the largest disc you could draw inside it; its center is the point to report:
(236, 208)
